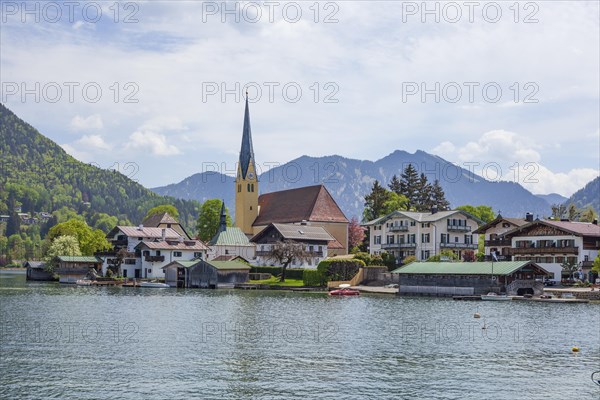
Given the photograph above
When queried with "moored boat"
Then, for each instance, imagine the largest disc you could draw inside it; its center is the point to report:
(154, 285)
(83, 282)
(344, 290)
(495, 297)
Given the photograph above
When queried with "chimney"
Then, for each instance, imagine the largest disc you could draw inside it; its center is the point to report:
(595, 221)
(140, 227)
(163, 234)
(304, 222)
(529, 217)
(434, 209)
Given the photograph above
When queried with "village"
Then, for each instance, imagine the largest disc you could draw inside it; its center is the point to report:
(303, 234)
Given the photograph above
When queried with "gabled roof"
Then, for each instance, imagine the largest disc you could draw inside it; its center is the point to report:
(421, 216)
(35, 264)
(173, 245)
(182, 264)
(499, 219)
(231, 236)
(79, 259)
(309, 203)
(146, 232)
(466, 268)
(296, 232)
(155, 220)
(246, 151)
(570, 227)
(229, 257)
(226, 265)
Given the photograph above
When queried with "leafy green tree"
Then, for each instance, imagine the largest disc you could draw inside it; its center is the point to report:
(375, 202)
(61, 246)
(588, 215)
(90, 240)
(65, 214)
(408, 259)
(484, 213)
(572, 212)
(105, 222)
(596, 265)
(449, 254)
(395, 202)
(161, 209)
(13, 225)
(208, 220)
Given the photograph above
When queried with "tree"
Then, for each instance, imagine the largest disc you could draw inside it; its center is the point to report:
(90, 241)
(438, 197)
(356, 233)
(449, 254)
(105, 222)
(558, 210)
(423, 194)
(208, 220)
(588, 215)
(409, 184)
(572, 212)
(13, 226)
(469, 256)
(395, 185)
(596, 265)
(569, 267)
(286, 252)
(161, 209)
(116, 262)
(395, 202)
(61, 246)
(484, 213)
(375, 202)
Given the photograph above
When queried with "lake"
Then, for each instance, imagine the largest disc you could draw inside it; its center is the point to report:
(69, 342)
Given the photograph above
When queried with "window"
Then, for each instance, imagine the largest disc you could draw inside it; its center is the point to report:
(176, 254)
(468, 239)
(198, 254)
(413, 223)
(425, 238)
(390, 239)
(239, 187)
(124, 273)
(226, 251)
(377, 239)
(456, 239)
(145, 253)
(444, 238)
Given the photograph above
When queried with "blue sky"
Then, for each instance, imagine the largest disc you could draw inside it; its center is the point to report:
(362, 76)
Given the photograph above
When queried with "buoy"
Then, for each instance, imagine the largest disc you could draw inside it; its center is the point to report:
(476, 315)
(575, 349)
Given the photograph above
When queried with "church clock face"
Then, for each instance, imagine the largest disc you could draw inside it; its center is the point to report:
(251, 175)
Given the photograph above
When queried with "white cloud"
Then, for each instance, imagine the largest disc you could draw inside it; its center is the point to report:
(91, 123)
(149, 137)
(501, 155)
(95, 142)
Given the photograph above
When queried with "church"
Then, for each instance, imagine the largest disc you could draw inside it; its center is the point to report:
(310, 205)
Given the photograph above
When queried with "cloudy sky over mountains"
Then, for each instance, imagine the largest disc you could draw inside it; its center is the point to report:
(511, 91)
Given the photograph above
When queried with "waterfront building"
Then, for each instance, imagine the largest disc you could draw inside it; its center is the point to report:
(230, 241)
(206, 274)
(496, 247)
(315, 240)
(551, 244)
(70, 269)
(36, 271)
(421, 234)
(470, 278)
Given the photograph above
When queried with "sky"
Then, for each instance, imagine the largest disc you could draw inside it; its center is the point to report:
(155, 89)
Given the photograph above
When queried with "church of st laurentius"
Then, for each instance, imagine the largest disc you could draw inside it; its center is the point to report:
(311, 204)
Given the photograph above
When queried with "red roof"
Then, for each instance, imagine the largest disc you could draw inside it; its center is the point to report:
(335, 244)
(310, 203)
(581, 228)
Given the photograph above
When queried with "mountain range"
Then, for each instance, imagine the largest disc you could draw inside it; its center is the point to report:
(588, 196)
(349, 180)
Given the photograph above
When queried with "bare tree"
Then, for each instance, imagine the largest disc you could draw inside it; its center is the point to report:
(286, 252)
(115, 264)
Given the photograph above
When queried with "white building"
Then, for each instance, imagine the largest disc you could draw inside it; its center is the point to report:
(551, 243)
(409, 233)
(157, 254)
(494, 242)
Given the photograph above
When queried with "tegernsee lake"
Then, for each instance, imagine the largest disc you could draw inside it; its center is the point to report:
(69, 342)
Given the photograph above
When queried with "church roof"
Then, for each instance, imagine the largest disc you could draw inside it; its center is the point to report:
(310, 203)
(246, 152)
(231, 236)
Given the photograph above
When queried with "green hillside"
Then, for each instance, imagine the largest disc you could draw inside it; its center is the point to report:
(588, 196)
(39, 175)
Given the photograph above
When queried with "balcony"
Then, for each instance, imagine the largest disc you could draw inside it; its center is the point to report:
(395, 246)
(499, 258)
(544, 250)
(471, 246)
(154, 258)
(587, 264)
(267, 253)
(497, 243)
(458, 228)
(398, 228)
(119, 242)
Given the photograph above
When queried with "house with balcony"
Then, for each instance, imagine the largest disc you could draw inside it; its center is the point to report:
(154, 255)
(315, 240)
(550, 244)
(496, 247)
(420, 234)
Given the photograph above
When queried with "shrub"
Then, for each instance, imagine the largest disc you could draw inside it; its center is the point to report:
(290, 273)
(339, 270)
(408, 259)
(312, 277)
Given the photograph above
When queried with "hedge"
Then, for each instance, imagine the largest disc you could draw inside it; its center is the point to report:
(339, 270)
(312, 277)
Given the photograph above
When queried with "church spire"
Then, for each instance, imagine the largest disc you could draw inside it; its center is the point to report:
(223, 219)
(246, 152)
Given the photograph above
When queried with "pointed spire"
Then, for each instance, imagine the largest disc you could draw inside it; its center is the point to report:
(246, 152)
(223, 218)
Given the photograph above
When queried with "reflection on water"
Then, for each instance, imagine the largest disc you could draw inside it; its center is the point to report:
(69, 342)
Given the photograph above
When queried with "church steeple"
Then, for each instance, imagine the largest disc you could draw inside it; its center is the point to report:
(223, 219)
(246, 182)
(246, 152)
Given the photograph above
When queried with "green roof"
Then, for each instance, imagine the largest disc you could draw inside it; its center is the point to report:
(184, 264)
(463, 268)
(225, 265)
(232, 236)
(81, 259)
